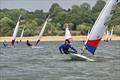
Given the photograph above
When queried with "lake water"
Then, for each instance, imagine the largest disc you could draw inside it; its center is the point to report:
(24, 63)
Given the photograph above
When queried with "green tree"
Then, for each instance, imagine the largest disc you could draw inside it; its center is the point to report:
(98, 6)
(83, 28)
(6, 26)
(55, 9)
(31, 28)
(85, 6)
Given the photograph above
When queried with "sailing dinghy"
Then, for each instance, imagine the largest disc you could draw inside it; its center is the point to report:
(67, 33)
(22, 34)
(41, 34)
(97, 31)
(74, 56)
(111, 33)
(15, 33)
(107, 36)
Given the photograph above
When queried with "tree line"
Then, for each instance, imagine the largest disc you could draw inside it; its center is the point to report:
(80, 19)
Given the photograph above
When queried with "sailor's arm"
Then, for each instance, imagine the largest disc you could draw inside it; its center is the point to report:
(75, 51)
(60, 49)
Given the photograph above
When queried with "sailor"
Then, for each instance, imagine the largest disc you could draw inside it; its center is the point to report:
(64, 48)
(5, 44)
(28, 43)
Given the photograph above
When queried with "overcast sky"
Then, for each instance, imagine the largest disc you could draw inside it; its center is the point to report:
(32, 5)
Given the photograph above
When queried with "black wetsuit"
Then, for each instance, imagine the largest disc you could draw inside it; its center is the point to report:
(28, 44)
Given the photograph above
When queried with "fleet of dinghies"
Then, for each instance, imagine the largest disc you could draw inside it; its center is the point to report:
(22, 33)
(94, 36)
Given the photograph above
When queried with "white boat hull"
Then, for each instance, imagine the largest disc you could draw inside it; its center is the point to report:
(80, 57)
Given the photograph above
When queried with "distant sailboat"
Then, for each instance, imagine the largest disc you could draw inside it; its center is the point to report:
(42, 31)
(98, 30)
(15, 31)
(111, 33)
(22, 34)
(88, 33)
(67, 34)
(107, 36)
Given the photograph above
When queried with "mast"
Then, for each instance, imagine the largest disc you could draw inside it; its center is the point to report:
(15, 31)
(42, 31)
(100, 26)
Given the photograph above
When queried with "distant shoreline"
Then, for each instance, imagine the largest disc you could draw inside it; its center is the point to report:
(51, 38)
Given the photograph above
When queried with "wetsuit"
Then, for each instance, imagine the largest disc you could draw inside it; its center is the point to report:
(28, 44)
(64, 49)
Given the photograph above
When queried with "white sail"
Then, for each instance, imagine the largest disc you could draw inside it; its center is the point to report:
(88, 33)
(42, 31)
(22, 34)
(100, 26)
(15, 31)
(111, 33)
(107, 35)
(67, 33)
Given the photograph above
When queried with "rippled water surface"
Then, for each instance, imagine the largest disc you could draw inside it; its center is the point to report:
(24, 63)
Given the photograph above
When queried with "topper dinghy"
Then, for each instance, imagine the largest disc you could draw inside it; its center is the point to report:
(97, 32)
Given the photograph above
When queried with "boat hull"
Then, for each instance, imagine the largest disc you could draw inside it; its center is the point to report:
(80, 57)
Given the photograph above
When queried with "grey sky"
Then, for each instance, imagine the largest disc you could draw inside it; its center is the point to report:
(32, 5)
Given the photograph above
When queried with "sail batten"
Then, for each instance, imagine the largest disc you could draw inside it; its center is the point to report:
(100, 25)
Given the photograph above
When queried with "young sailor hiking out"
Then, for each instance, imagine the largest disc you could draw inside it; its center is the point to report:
(65, 48)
